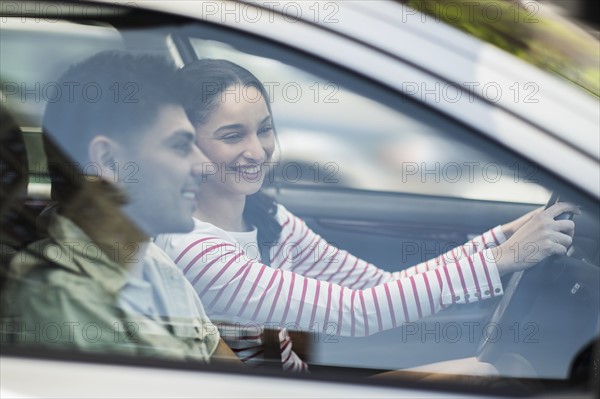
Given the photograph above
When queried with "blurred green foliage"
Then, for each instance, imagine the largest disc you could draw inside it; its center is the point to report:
(528, 31)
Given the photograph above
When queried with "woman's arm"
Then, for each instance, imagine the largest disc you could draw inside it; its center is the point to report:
(490, 239)
(303, 251)
(232, 285)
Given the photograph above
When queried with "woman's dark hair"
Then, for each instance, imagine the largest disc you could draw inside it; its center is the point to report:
(206, 81)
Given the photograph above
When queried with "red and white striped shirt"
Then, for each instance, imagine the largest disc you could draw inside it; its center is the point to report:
(314, 286)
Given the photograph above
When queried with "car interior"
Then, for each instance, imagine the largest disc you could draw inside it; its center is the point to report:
(542, 333)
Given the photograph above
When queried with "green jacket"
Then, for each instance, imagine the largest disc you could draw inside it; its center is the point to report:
(63, 292)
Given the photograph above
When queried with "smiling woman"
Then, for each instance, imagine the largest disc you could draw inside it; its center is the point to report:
(240, 139)
(238, 134)
(241, 150)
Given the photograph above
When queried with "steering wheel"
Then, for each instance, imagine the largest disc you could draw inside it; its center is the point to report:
(547, 314)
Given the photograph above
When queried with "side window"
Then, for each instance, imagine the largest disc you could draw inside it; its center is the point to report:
(34, 52)
(350, 141)
(371, 176)
(335, 134)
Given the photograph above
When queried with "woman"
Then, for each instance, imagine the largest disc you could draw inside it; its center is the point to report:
(310, 285)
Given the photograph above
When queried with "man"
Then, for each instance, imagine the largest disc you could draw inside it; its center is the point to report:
(122, 159)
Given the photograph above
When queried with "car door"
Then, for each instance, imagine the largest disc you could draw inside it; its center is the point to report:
(373, 170)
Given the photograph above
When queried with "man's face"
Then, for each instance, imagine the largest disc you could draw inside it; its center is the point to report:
(157, 171)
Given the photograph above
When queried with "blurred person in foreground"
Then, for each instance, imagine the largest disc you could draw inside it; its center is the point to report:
(122, 172)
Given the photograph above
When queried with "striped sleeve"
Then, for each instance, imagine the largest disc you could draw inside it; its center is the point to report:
(235, 287)
(304, 252)
(489, 239)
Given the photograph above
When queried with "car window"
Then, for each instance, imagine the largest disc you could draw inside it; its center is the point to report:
(368, 169)
(30, 67)
(375, 149)
(392, 145)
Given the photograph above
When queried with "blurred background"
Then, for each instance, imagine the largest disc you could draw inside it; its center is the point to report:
(559, 36)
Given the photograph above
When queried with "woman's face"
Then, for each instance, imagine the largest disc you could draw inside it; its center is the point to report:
(239, 138)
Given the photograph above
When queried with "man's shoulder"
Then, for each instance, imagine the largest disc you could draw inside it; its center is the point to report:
(49, 254)
(45, 267)
(39, 258)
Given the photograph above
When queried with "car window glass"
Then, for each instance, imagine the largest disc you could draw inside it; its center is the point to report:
(29, 69)
(392, 145)
(367, 151)
(374, 149)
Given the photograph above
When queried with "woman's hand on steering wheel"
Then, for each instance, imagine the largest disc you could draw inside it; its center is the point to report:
(538, 237)
(510, 228)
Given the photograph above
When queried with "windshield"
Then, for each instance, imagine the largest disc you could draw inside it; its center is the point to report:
(527, 29)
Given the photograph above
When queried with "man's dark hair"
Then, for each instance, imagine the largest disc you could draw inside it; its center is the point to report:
(113, 93)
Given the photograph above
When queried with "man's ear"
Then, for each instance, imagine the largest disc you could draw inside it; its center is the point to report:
(102, 152)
